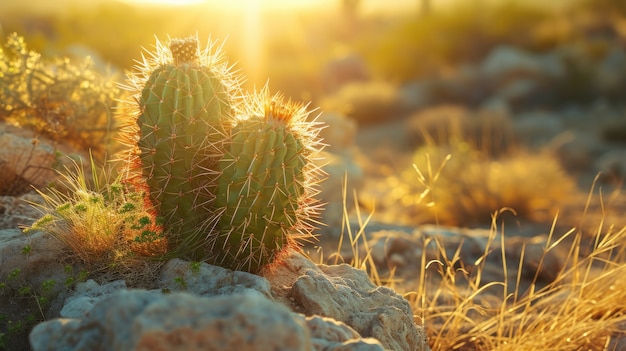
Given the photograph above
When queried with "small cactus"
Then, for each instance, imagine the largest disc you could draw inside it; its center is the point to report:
(265, 191)
(232, 183)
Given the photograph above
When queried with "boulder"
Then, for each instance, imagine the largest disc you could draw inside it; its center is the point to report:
(346, 294)
(24, 161)
(296, 305)
(149, 320)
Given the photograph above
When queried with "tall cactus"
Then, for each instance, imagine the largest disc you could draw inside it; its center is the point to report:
(184, 105)
(266, 186)
(232, 180)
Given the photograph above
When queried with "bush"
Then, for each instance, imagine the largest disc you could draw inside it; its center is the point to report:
(367, 102)
(458, 185)
(68, 102)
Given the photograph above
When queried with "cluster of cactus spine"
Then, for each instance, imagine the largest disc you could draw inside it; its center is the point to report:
(230, 177)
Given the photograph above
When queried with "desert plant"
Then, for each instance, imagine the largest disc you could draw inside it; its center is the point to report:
(184, 108)
(230, 178)
(101, 222)
(66, 101)
(456, 184)
(266, 184)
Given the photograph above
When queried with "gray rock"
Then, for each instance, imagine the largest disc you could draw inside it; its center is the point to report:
(328, 334)
(538, 128)
(142, 320)
(507, 62)
(25, 159)
(17, 210)
(36, 256)
(347, 295)
(86, 295)
(209, 280)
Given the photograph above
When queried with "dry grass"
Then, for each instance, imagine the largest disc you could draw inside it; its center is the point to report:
(582, 309)
(466, 186)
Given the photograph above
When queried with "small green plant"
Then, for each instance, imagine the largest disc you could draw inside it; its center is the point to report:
(26, 249)
(99, 221)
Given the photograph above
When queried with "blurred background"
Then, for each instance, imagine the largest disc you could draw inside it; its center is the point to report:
(528, 97)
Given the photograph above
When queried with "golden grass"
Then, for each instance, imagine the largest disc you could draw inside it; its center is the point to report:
(469, 186)
(582, 309)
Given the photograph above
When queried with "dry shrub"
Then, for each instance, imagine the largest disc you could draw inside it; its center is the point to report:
(66, 101)
(458, 185)
(488, 130)
(366, 102)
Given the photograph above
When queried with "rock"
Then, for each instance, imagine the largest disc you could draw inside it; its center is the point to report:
(328, 334)
(233, 311)
(209, 280)
(86, 295)
(505, 63)
(611, 72)
(36, 256)
(143, 320)
(346, 294)
(24, 161)
(405, 250)
(16, 211)
(538, 128)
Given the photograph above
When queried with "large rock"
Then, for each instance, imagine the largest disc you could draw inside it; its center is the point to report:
(297, 305)
(24, 161)
(36, 256)
(144, 320)
(506, 63)
(346, 294)
(209, 280)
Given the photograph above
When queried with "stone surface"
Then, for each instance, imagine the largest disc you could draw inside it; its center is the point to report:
(347, 295)
(143, 320)
(24, 161)
(36, 256)
(221, 309)
(18, 211)
(209, 280)
(86, 295)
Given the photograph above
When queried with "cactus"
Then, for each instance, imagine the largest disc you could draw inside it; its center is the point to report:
(233, 184)
(265, 192)
(184, 104)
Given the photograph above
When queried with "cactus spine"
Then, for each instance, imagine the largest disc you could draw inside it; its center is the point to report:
(233, 183)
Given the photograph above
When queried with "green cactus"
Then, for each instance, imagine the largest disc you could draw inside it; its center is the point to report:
(265, 189)
(233, 183)
(185, 105)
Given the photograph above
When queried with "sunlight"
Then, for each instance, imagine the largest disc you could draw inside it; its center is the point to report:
(164, 2)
